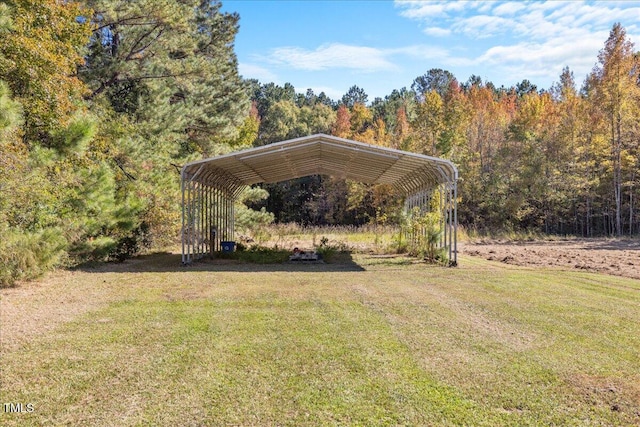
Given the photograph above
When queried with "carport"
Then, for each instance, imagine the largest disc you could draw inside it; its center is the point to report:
(211, 186)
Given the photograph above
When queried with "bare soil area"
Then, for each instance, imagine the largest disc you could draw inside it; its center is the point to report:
(620, 257)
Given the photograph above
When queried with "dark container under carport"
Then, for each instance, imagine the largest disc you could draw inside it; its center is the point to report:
(228, 246)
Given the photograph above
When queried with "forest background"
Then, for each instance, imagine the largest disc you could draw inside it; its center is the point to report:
(103, 101)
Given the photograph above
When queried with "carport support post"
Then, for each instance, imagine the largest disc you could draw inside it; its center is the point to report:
(218, 218)
(184, 257)
(216, 203)
(203, 219)
(218, 222)
(193, 220)
(233, 218)
(198, 220)
(224, 217)
(450, 219)
(443, 236)
(210, 222)
(455, 225)
(187, 231)
(187, 213)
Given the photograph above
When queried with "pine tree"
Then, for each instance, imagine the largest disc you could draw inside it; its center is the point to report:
(170, 67)
(436, 80)
(355, 95)
(163, 78)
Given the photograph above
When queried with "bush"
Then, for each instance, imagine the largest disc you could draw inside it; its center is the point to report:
(27, 255)
(252, 222)
(398, 246)
(422, 236)
(328, 251)
(131, 244)
(93, 249)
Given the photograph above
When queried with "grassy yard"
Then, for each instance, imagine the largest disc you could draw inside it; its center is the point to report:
(372, 341)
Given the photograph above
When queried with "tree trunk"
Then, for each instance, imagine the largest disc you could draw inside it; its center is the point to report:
(617, 174)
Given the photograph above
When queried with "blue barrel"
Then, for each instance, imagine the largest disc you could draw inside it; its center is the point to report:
(228, 246)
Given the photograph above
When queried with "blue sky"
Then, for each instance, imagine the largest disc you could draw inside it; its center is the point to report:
(384, 45)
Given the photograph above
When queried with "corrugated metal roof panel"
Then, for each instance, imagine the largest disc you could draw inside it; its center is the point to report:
(322, 154)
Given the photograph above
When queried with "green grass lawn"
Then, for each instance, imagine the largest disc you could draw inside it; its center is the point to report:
(374, 341)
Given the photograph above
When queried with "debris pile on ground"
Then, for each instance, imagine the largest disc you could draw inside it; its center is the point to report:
(299, 255)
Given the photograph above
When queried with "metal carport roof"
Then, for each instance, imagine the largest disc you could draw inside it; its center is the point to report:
(322, 154)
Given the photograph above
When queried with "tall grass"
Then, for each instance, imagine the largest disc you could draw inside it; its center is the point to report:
(419, 236)
(474, 234)
(369, 238)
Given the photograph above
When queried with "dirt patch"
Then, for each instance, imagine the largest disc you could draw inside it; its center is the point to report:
(38, 307)
(617, 394)
(620, 257)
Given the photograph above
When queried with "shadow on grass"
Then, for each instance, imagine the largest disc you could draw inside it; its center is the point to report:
(171, 262)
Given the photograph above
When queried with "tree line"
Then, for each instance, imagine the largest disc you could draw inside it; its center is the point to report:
(102, 102)
(561, 160)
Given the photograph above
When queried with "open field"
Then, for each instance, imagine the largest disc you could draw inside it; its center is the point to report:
(371, 340)
(620, 257)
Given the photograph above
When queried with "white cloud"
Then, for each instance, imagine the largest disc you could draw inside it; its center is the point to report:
(483, 6)
(509, 8)
(599, 16)
(437, 31)
(420, 52)
(252, 71)
(359, 58)
(532, 39)
(429, 53)
(545, 60)
(483, 26)
(335, 55)
(544, 19)
(430, 9)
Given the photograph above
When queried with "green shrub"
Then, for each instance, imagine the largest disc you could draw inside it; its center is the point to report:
(398, 246)
(251, 222)
(94, 249)
(422, 233)
(328, 251)
(132, 243)
(27, 255)
(112, 248)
